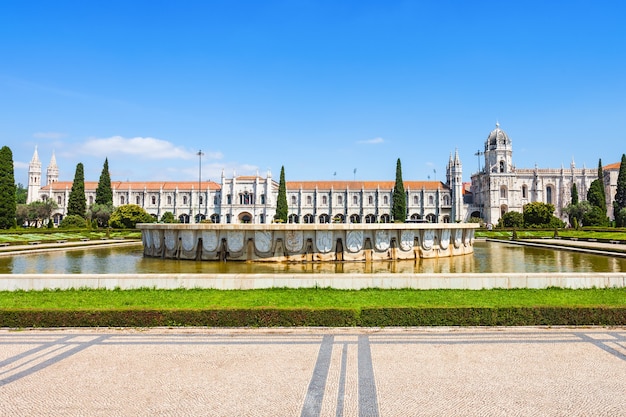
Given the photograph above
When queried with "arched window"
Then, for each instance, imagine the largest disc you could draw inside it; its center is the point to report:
(502, 166)
(262, 198)
(215, 218)
(59, 200)
(309, 200)
(370, 218)
(90, 200)
(339, 199)
(524, 191)
(385, 218)
(503, 191)
(324, 201)
(355, 201)
(370, 200)
(137, 200)
(549, 194)
(201, 200)
(216, 200)
(169, 200)
(184, 199)
(308, 218)
(324, 218)
(386, 200)
(153, 199)
(431, 200)
(229, 200)
(293, 218)
(294, 200)
(416, 200)
(446, 201)
(355, 218)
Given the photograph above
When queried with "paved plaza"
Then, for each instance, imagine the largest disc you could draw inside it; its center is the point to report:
(314, 372)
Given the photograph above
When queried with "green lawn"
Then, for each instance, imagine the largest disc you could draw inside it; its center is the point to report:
(47, 235)
(308, 298)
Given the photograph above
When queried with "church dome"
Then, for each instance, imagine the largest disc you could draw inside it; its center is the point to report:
(497, 136)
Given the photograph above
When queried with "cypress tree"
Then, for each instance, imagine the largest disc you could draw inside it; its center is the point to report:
(104, 194)
(398, 209)
(620, 195)
(574, 194)
(77, 203)
(601, 178)
(8, 202)
(282, 210)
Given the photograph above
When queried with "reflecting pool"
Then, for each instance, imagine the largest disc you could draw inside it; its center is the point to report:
(487, 257)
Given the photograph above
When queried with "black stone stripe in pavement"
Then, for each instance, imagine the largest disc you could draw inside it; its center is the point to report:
(312, 406)
(52, 361)
(368, 403)
(341, 392)
(602, 345)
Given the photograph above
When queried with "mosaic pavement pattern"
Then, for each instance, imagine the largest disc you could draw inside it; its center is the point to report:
(314, 372)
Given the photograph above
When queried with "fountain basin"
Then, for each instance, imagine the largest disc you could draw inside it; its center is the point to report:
(307, 242)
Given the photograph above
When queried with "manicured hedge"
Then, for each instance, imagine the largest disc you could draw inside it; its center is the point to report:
(371, 317)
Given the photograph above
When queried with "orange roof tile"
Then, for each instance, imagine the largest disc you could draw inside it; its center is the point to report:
(136, 185)
(368, 185)
(612, 167)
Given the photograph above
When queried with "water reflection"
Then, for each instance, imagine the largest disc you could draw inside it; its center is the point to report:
(487, 257)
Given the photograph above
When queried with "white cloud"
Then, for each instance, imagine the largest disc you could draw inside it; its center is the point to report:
(144, 148)
(374, 141)
(49, 135)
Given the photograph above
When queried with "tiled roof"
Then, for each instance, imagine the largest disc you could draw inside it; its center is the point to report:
(612, 167)
(367, 185)
(136, 185)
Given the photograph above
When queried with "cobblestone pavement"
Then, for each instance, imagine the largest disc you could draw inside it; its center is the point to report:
(314, 372)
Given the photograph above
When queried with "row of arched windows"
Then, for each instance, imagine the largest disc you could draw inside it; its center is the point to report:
(370, 200)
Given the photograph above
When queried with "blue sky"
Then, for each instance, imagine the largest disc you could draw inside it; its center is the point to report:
(321, 87)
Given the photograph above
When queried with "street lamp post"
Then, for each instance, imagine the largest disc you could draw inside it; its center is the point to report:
(200, 153)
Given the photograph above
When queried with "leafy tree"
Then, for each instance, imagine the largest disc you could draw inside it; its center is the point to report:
(540, 215)
(282, 211)
(574, 194)
(577, 212)
(73, 221)
(511, 219)
(620, 194)
(601, 178)
(127, 216)
(595, 195)
(8, 202)
(596, 217)
(101, 213)
(398, 209)
(77, 203)
(168, 217)
(21, 194)
(104, 193)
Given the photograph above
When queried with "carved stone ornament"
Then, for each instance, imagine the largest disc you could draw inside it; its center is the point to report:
(445, 239)
(458, 238)
(324, 240)
(262, 240)
(429, 239)
(187, 238)
(170, 239)
(293, 240)
(209, 240)
(147, 239)
(156, 238)
(235, 241)
(382, 240)
(354, 240)
(467, 238)
(407, 238)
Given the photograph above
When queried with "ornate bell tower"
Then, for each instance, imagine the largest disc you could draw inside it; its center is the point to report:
(34, 178)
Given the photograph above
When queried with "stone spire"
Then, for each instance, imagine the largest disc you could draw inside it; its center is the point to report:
(34, 178)
(52, 173)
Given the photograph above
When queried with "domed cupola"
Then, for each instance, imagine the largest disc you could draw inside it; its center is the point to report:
(497, 137)
(498, 152)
